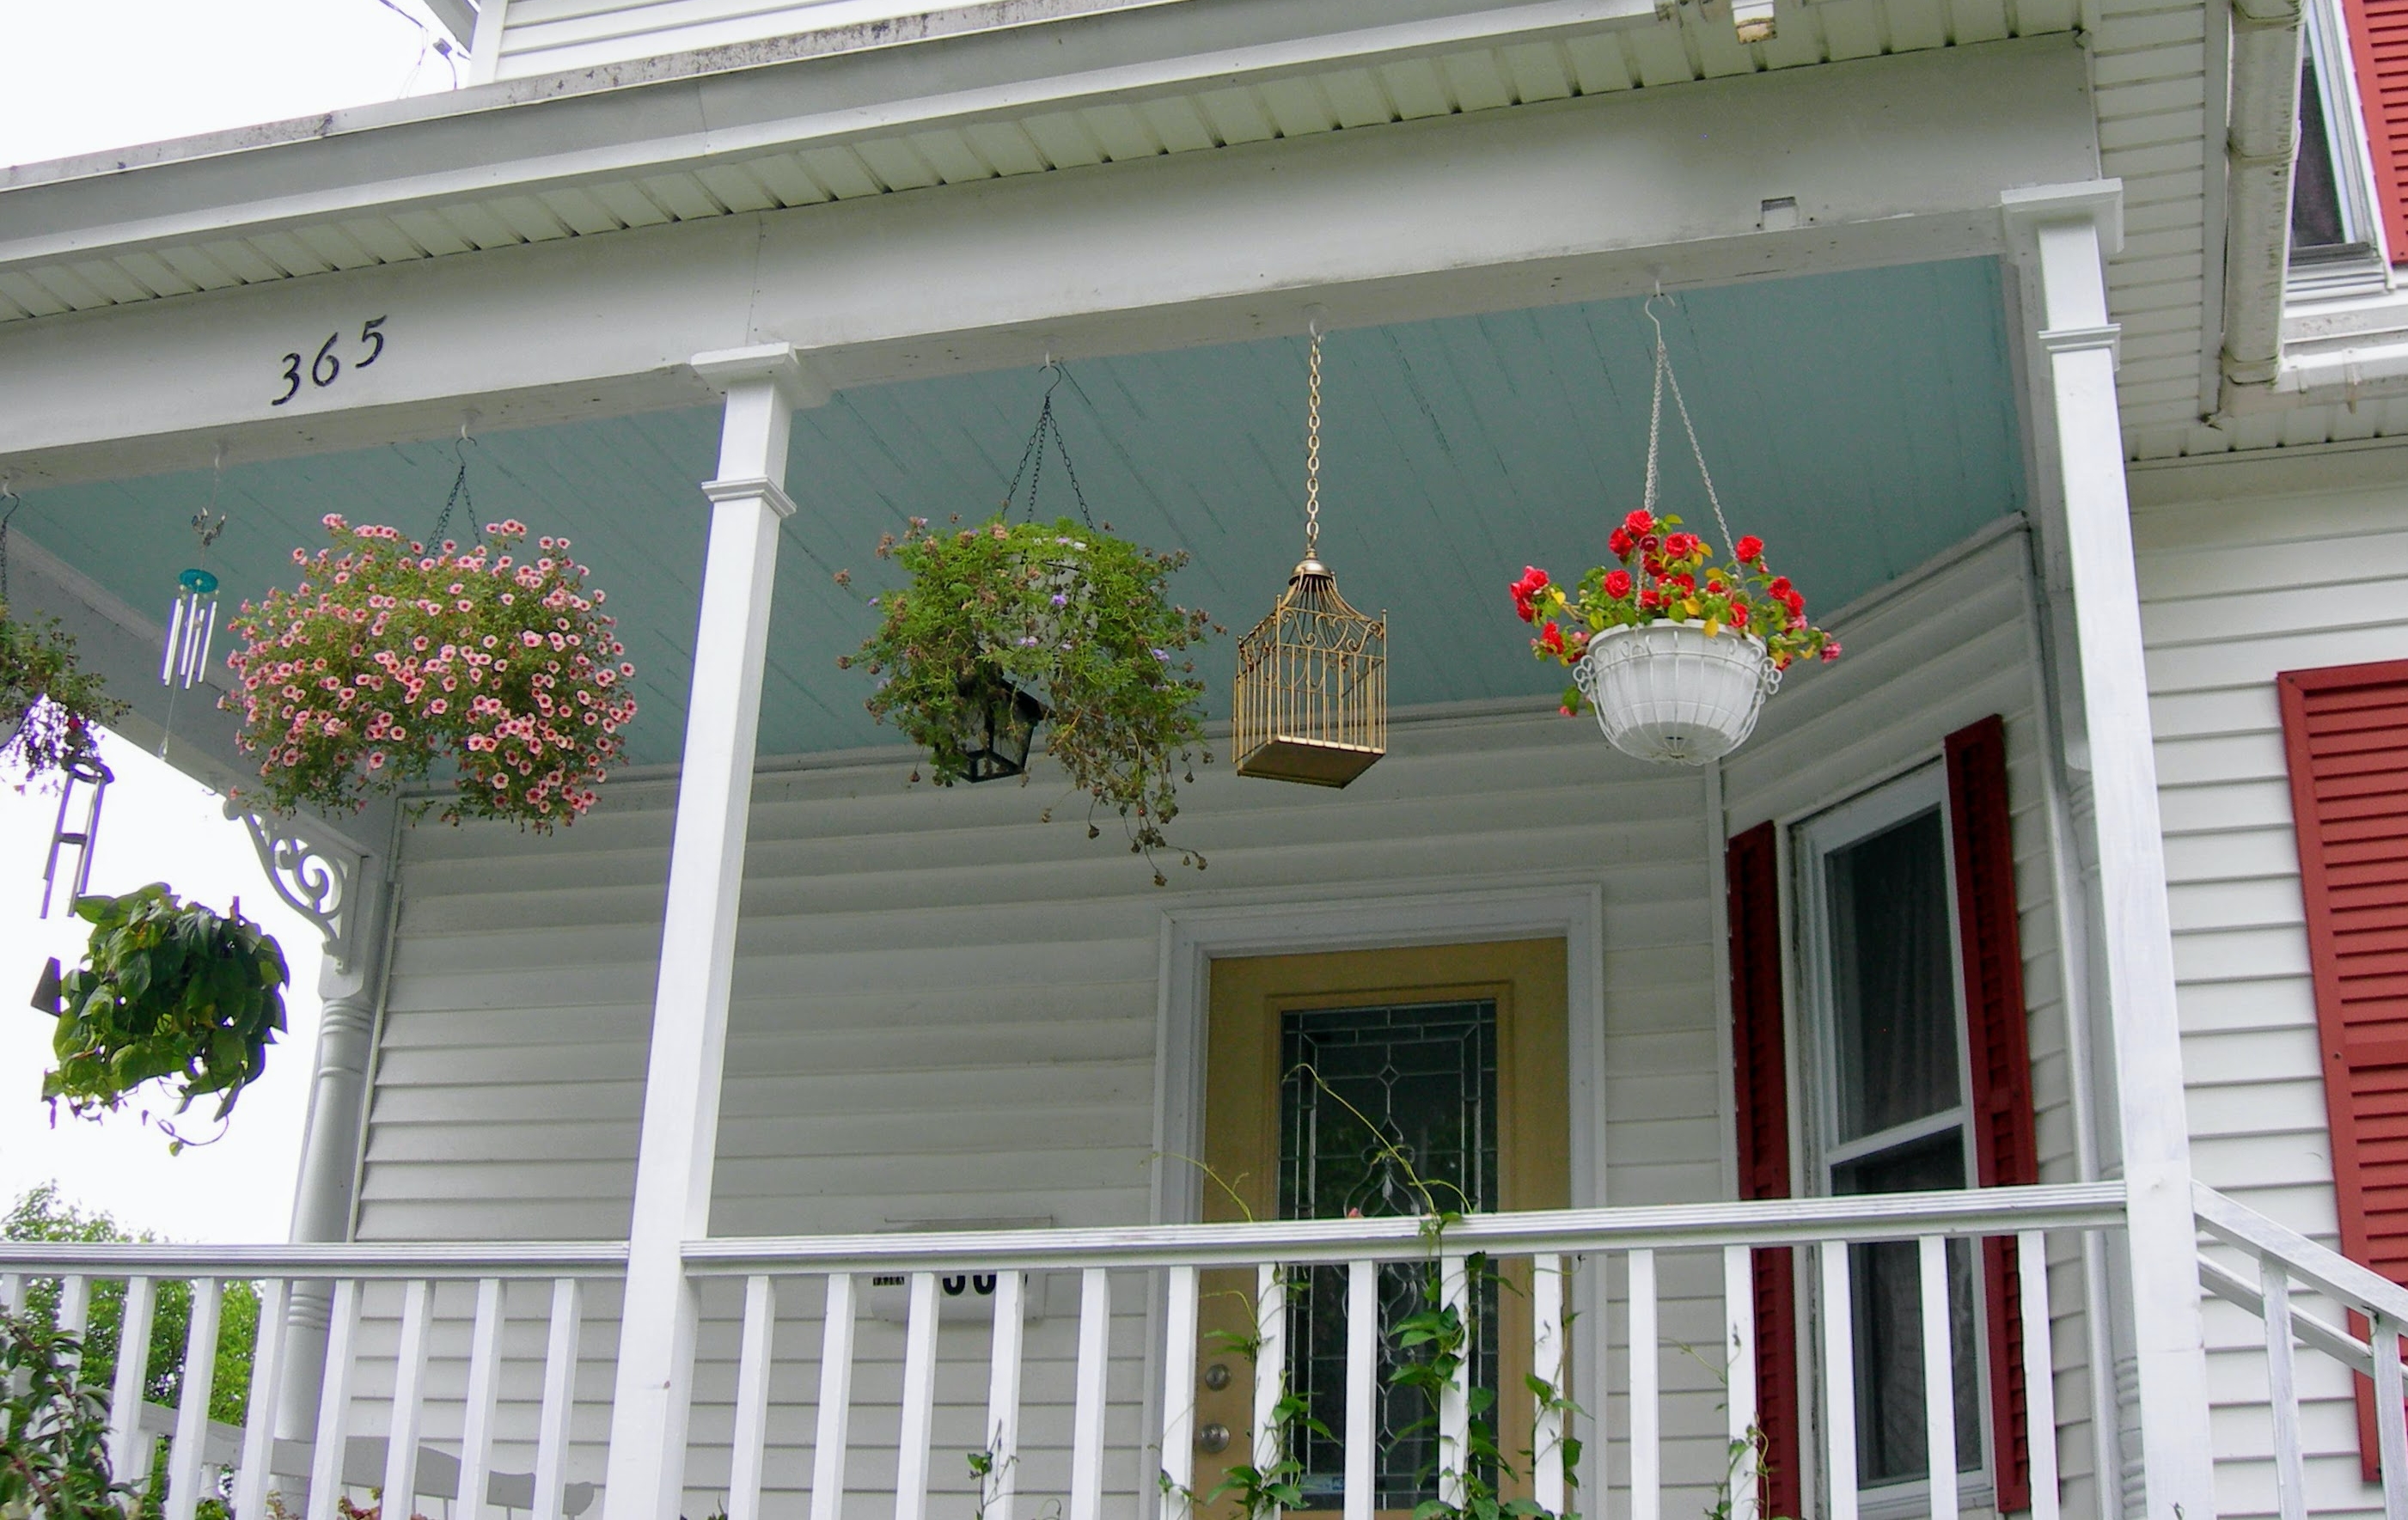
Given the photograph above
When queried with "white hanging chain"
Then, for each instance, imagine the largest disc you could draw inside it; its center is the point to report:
(1655, 430)
(1313, 447)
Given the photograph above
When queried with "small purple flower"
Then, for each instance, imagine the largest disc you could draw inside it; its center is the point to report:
(1028, 642)
(1162, 655)
(1060, 600)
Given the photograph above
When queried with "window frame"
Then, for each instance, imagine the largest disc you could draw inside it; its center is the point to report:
(1811, 842)
(2325, 43)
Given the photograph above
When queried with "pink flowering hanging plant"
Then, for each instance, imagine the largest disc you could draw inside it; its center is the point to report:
(1666, 575)
(392, 658)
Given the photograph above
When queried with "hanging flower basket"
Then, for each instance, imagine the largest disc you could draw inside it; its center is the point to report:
(390, 660)
(1006, 629)
(49, 708)
(1675, 647)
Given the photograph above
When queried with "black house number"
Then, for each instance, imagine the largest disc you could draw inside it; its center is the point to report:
(326, 367)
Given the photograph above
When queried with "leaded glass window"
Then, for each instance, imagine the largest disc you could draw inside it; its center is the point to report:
(1373, 1100)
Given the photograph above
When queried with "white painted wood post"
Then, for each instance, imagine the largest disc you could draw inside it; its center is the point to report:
(333, 1421)
(1270, 1363)
(128, 1452)
(1739, 1399)
(2061, 236)
(193, 1400)
(555, 1420)
(1938, 1377)
(653, 1393)
(751, 1437)
(1548, 1484)
(1363, 1388)
(2281, 1388)
(408, 1399)
(2040, 1371)
(1455, 1400)
(252, 1479)
(1647, 1417)
(1003, 1389)
(1087, 1401)
(919, 1401)
(477, 1417)
(836, 1402)
(1839, 1315)
(1178, 1394)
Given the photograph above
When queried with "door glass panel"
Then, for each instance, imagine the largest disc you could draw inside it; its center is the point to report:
(1372, 1099)
(1893, 995)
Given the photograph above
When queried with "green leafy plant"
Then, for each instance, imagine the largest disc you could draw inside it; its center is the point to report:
(1069, 615)
(53, 1429)
(51, 709)
(170, 992)
(1665, 575)
(391, 659)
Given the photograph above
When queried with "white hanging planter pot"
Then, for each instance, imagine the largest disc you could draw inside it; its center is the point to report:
(1674, 693)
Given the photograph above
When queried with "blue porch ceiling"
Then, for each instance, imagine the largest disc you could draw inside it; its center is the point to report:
(1859, 421)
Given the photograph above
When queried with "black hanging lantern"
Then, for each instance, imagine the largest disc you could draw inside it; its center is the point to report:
(998, 725)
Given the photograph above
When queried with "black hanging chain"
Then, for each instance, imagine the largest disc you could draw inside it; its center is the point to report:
(1032, 458)
(14, 501)
(460, 495)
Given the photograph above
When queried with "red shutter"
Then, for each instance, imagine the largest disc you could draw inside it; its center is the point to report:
(1761, 1080)
(2378, 42)
(2347, 731)
(2006, 1153)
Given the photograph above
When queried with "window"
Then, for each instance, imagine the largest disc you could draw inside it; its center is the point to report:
(1891, 1111)
(2333, 209)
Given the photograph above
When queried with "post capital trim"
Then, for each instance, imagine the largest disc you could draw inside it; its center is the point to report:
(2108, 336)
(780, 365)
(744, 487)
(2099, 202)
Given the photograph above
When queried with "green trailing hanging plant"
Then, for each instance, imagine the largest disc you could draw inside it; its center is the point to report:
(51, 709)
(1064, 614)
(170, 992)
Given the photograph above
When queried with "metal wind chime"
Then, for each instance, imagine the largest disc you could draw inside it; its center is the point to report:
(1313, 677)
(193, 621)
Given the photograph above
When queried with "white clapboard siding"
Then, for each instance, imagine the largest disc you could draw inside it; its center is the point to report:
(543, 36)
(945, 1011)
(1935, 653)
(2233, 592)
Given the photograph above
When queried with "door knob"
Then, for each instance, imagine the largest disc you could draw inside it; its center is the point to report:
(1216, 1377)
(1213, 1437)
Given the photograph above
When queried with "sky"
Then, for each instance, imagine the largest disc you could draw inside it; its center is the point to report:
(79, 77)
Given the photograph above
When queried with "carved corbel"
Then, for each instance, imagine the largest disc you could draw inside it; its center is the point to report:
(316, 877)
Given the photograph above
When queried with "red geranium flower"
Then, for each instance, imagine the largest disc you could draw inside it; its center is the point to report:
(1617, 584)
(1550, 639)
(1639, 522)
(1779, 586)
(1749, 549)
(1622, 540)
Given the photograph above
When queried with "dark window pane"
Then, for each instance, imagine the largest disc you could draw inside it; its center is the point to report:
(1886, 1289)
(1375, 1098)
(1892, 995)
(2316, 199)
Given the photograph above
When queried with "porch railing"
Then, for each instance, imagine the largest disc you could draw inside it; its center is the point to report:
(334, 1295)
(2285, 1259)
(871, 1307)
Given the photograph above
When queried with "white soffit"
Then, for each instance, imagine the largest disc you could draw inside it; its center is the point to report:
(573, 157)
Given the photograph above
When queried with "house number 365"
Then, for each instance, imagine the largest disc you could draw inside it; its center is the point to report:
(326, 367)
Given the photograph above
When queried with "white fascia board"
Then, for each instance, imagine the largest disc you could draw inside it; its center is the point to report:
(531, 134)
(458, 18)
(1579, 199)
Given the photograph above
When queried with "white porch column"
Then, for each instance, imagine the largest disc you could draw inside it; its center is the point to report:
(2061, 236)
(680, 1130)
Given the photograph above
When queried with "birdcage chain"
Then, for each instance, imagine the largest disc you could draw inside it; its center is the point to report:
(460, 492)
(1312, 448)
(1032, 458)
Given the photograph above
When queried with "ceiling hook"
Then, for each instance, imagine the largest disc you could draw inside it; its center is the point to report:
(1317, 321)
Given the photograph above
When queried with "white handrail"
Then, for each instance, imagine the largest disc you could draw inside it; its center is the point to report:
(545, 1260)
(1889, 1216)
(2327, 1271)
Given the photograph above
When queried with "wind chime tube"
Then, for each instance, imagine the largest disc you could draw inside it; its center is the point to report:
(208, 631)
(175, 641)
(190, 627)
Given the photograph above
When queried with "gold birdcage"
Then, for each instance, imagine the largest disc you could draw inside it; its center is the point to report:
(1313, 677)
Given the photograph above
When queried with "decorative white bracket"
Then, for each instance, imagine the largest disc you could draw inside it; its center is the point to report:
(315, 877)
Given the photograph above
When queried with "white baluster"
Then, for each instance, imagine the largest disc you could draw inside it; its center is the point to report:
(919, 1401)
(1739, 1349)
(836, 1402)
(1840, 1380)
(409, 1400)
(2390, 1416)
(75, 1305)
(1938, 1377)
(477, 1417)
(1087, 1412)
(1270, 1363)
(2040, 1373)
(1178, 1393)
(252, 1477)
(193, 1401)
(129, 1451)
(1646, 1414)
(12, 1291)
(751, 1437)
(1547, 1432)
(1362, 1387)
(1455, 1400)
(559, 1396)
(334, 1429)
(1003, 1392)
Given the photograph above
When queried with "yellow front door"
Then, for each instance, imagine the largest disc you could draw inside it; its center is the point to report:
(1379, 1083)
